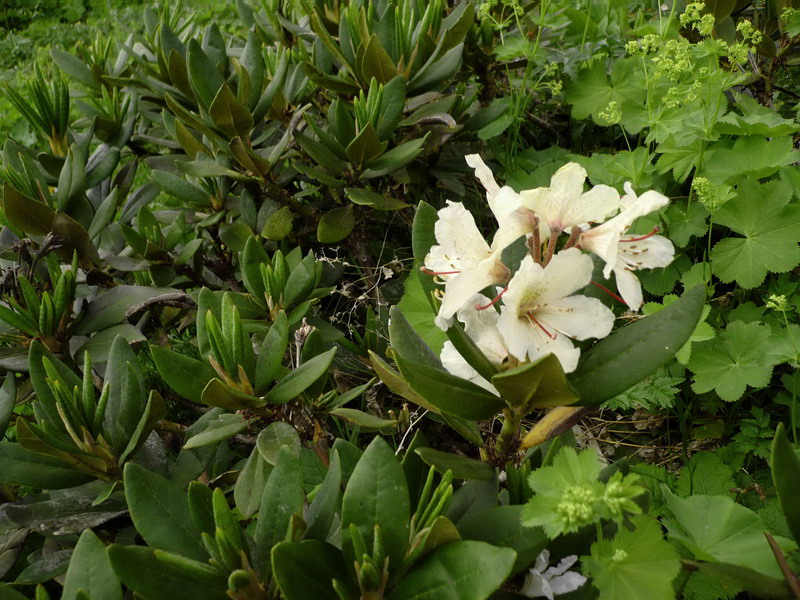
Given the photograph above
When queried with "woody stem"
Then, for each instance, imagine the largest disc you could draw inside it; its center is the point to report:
(508, 432)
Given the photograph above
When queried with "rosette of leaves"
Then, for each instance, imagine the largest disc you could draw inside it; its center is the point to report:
(162, 249)
(230, 373)
(605, 370)
(361, 41)
(198, 545)
(386, 551)
(79, 432)
(355, 145)
(39, 313)
(289, 283)
(218, 98)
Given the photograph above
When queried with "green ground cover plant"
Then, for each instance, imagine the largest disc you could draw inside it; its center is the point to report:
(364, 299)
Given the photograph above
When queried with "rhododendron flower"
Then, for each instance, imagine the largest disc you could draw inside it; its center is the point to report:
(624, 254)
(565, 205)
(480, 324)
(513, 219)
(539, 314)
(544, 582)
(463, 260)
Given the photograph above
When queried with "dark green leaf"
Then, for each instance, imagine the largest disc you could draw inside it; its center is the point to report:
(282, 498)
(278, 435)
(785, 467)
(373, 200)
(632, 353)
(187, 376)
(250, 484)
(322, 509)
(22, 467)
(204, 76)
(394, 159)
(223, 427)
(160, 512)
(335, 225)
(115, 305)
(461, 466)
(90, 571)
(157, 575)
(377, 494)
(457, 571)
(301, 378)
(500, 526)
(537, 384)
(305, 570)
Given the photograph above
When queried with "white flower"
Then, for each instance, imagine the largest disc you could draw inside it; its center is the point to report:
(539, 316)
(564, 204)
(513, 219)
(480, 324)
(463, 260)
(624, 254)
(542, 582)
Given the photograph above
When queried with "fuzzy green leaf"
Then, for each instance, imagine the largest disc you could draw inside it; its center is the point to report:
(635, 564)
(771, 230)
(734, 360)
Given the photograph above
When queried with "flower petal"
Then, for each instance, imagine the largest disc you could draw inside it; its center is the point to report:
(526, 340)
(536, 586)
(595, 206)
(481, 326)
(603, 241)
(568, 271)
(628, 286)
(484, 175)
(566, 583)
(566, 184)
(459, 238)
(562, 567)
(455, 364)
(648, 202)
(650, 253)
(513, 226)
(542, 561)
(459, 289)
(578, 317)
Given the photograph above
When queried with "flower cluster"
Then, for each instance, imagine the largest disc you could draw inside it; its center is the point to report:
(540, 309)
(569, 496)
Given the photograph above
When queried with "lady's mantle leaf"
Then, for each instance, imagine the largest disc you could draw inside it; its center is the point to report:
(771, 231)
(715, 528)
(635, 564)
(736, 359)
(751, 157)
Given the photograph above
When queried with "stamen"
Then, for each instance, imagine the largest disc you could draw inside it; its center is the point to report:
(552, 336)
(493, 302)
(429, 272)
(643, 237)
(608, 291)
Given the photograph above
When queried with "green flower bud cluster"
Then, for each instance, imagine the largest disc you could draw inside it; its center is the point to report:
(711, 196)
(611, 114)
(569, 495)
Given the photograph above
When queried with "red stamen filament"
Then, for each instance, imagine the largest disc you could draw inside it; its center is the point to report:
(608, 291)
(493, 302)
(643, 237)
(429, 272)
(552, 336)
